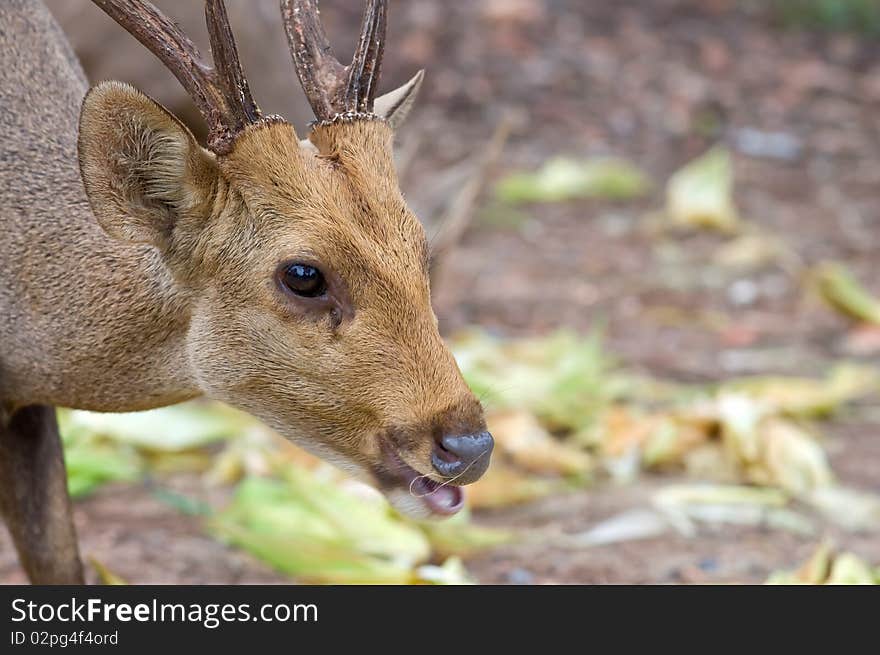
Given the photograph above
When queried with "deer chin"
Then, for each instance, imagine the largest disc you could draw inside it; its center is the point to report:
(416, 494)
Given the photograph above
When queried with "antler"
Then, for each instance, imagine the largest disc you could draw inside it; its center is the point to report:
(221, 92)
(331, 88)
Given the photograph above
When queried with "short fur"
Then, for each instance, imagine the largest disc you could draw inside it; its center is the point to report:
(157, 282)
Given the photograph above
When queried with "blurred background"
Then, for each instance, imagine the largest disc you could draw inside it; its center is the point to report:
(655, 225)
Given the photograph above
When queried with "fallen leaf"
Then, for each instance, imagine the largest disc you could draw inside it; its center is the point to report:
(753, 250)
(700, 195)
(451, 572)
(808, 397)
(501, 486)
(530, 447)
(565, 179)
(631, 525)
(169, 429)
(683, 505)
(790, 458)
(839, 288)
(720, 494)
(771, 450)
(827, 567)
(314, 529)
(105, 575)
(853, 510)
(91, 462)
(457, 536)
(849, 569)
(564, 379)
(814, 570)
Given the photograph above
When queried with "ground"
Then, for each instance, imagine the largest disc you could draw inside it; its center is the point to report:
(655, 82)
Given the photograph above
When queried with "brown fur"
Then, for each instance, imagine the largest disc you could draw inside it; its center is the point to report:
(172, 292)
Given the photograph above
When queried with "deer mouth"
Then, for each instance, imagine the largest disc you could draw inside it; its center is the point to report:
(439, 498)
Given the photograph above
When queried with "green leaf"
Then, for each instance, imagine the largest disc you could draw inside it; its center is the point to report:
(90, 465)
(169, 429)
(563, 179)
(315, 529)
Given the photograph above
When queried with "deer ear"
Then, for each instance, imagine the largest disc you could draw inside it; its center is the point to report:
(394, 106)
(143, 171)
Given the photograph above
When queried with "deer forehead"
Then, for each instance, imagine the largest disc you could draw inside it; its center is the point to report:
(339, 201)
(357, 155)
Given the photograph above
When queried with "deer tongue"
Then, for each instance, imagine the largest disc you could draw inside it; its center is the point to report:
(440, 498)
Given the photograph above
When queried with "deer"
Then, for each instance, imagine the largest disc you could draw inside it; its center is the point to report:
(284, 276)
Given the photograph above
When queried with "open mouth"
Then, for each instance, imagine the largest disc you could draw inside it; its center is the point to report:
(438, 497)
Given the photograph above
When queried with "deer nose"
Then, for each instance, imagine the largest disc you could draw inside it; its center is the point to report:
(463, 458)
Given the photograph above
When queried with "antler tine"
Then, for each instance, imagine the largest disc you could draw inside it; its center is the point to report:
(366, 65)
(320, 74)
(220, 94)
(228, 65)
(330, 87)
(164, 39)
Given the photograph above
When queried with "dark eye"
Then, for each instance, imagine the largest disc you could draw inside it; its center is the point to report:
(304, 280)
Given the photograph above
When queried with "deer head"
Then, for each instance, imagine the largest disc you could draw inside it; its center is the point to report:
(303, 272)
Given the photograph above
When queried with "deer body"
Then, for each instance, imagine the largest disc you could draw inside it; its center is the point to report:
(75, 304)
(287, 278)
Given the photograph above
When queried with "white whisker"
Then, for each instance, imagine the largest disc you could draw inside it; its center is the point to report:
(445, 482)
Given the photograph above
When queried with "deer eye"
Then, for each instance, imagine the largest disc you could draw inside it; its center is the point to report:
(304, 280)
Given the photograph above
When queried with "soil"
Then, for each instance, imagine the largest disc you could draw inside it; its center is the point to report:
(656, 82)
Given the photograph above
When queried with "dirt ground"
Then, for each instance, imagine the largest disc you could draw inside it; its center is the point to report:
(656, 82)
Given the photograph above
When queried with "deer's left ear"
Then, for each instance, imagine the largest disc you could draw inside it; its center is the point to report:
(395, 105)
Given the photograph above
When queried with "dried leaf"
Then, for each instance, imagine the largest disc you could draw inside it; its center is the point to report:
(740, 505)
(523, 440)
(814, 571)
(502, 486)
(630, 525)
(451, 572)
(700, 195)
(739, 418)
(850, 569)
(771, 450)
(790, 458)
(827, 567)
(662, 439)
(852, 510)
(808, 397)
(839, 288)
(720, 494)
(753, 250)
(105, 575)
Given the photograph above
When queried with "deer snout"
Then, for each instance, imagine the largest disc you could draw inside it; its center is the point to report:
(462, 458)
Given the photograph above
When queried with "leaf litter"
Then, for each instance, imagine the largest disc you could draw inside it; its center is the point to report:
(564, 415)
(828, 566)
